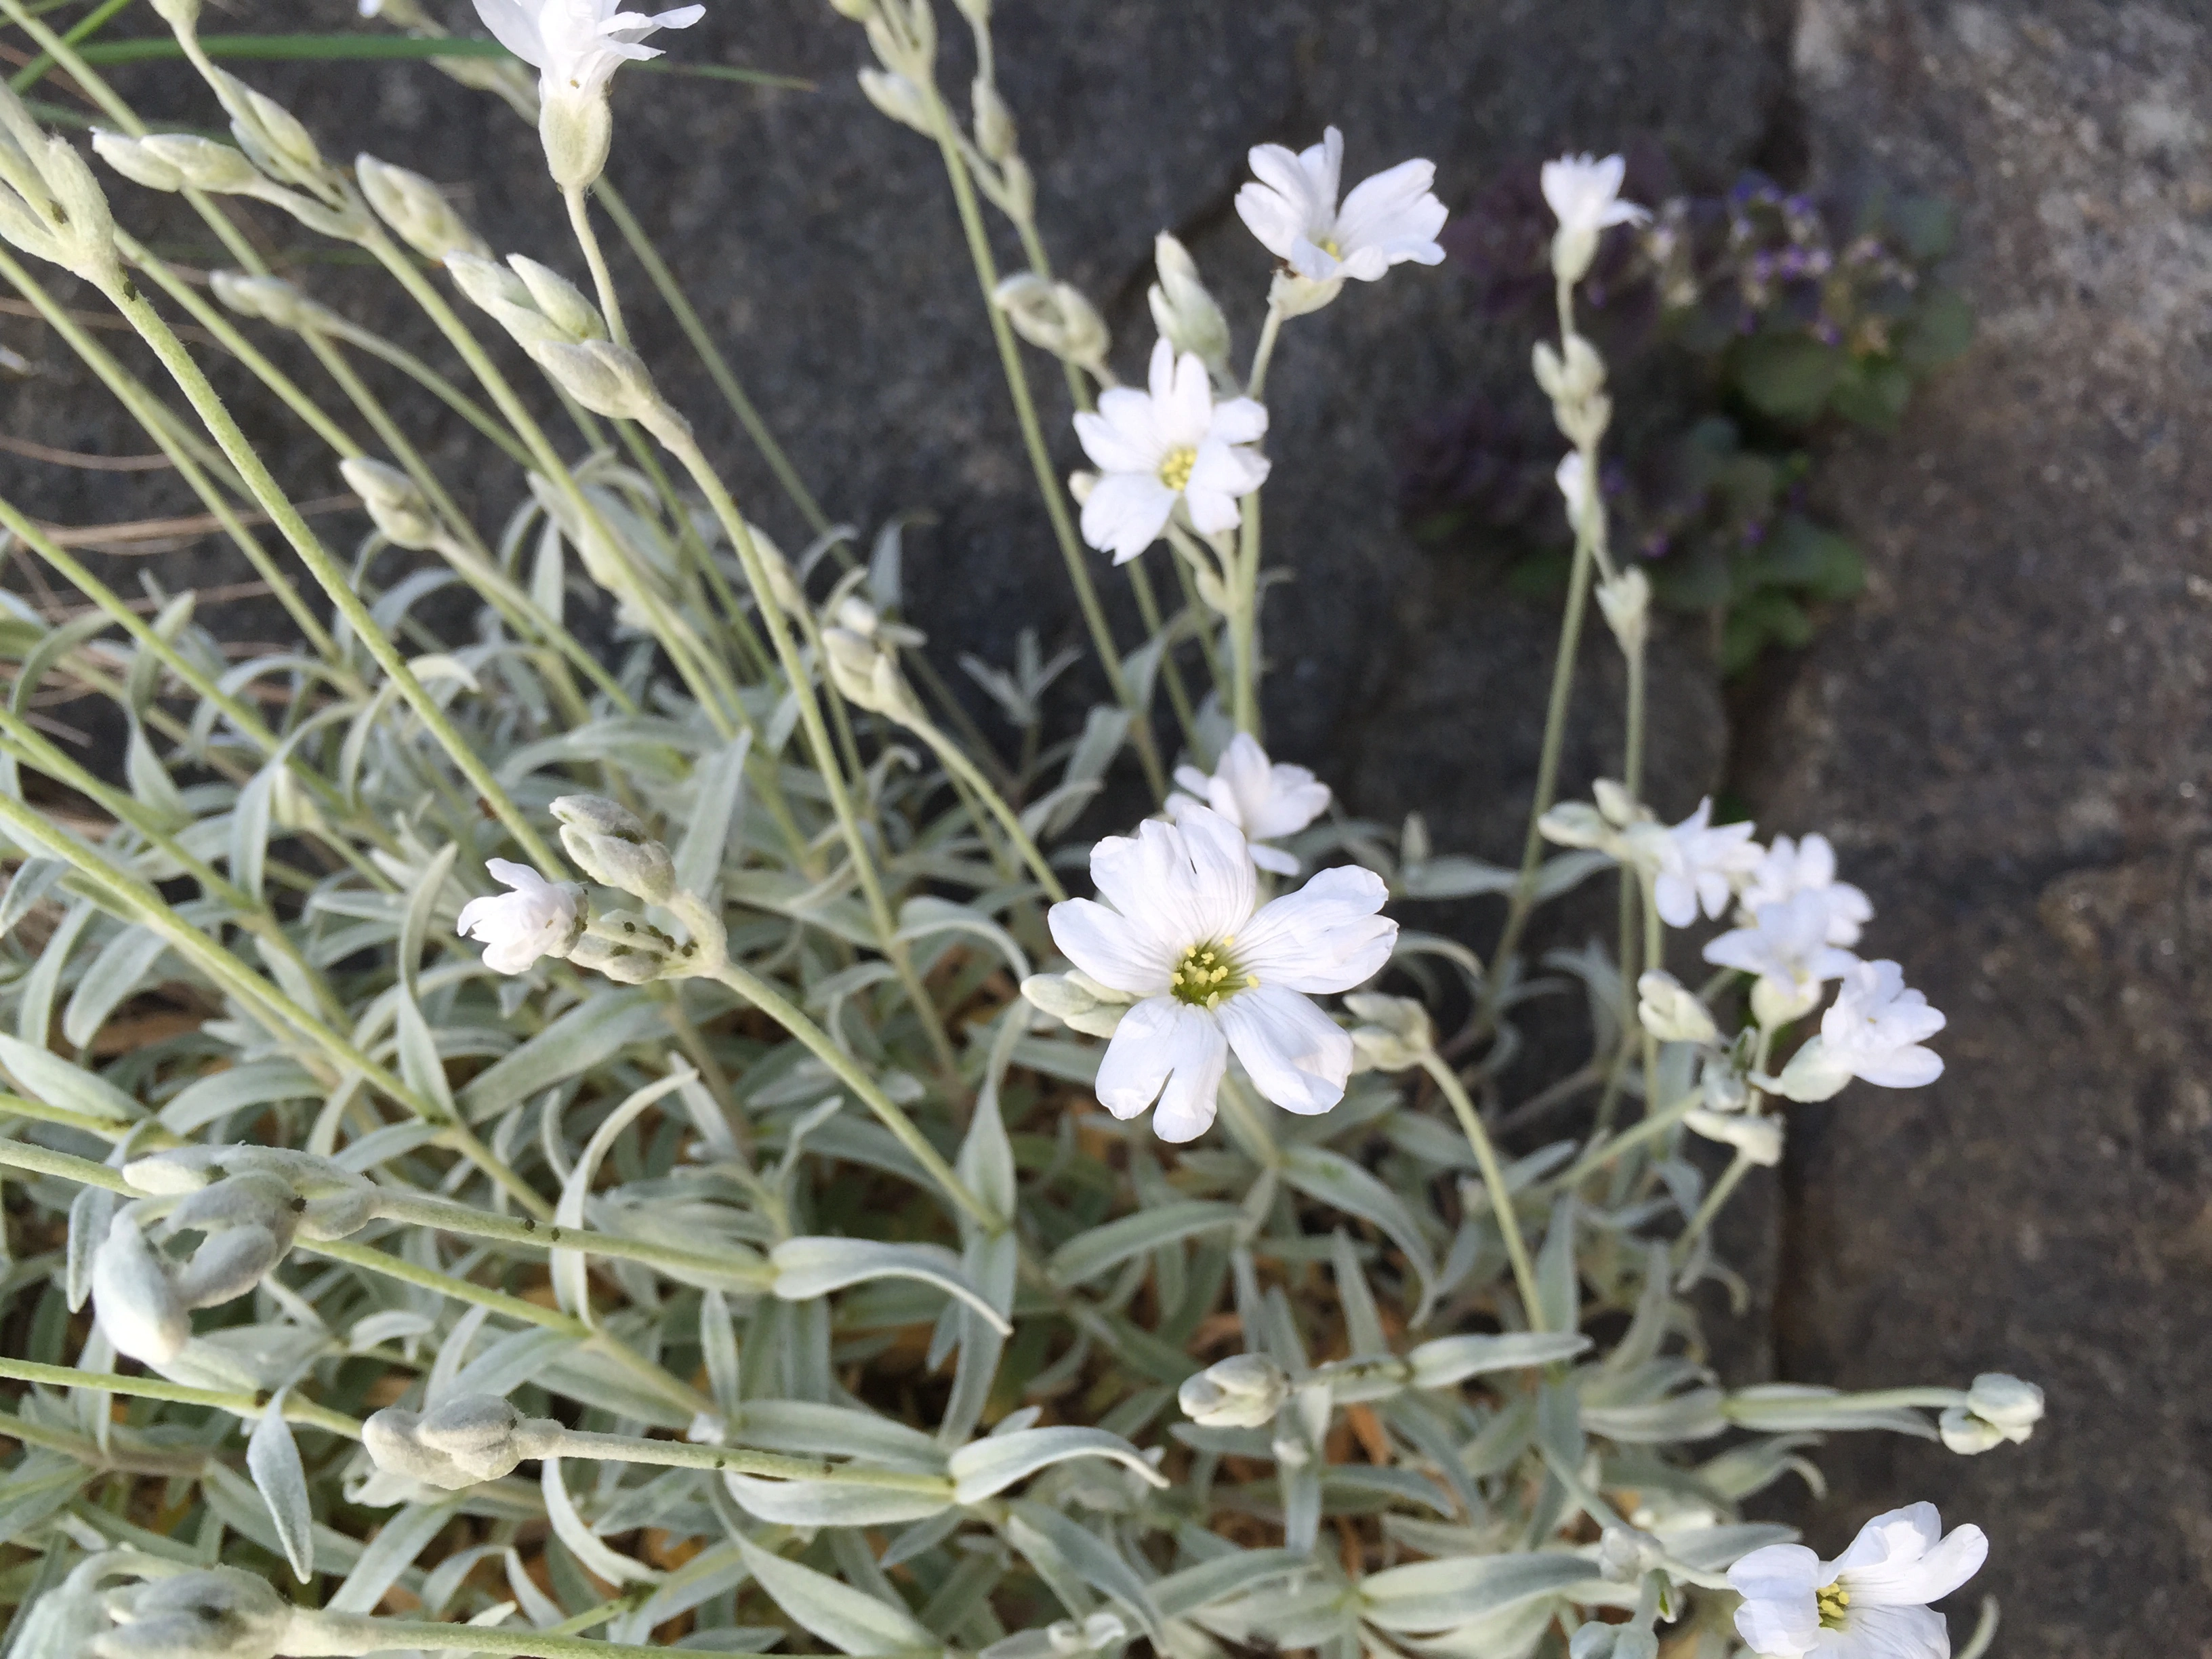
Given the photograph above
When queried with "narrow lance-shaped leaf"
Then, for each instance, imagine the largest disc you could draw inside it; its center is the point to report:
(273, 1460)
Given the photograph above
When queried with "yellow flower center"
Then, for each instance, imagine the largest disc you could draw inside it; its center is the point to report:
(1328, 245)
(1831, 1601)
(1175, 471)
(1207, 974)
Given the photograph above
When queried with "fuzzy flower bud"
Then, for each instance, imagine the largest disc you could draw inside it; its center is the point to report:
(400, 510)
(51, 206)
(577, 132)
(1054, 317)
(1185, 313)
(606, 379)
(611, 845)
(269, 133)
(1670, 1013)
(1758, 1139)
(625, 948)
(897, 97)
(271, 298)
(1295, 295)
(1998, 1408)
(559, 301)
(178, 14)
(1572, 377)
(137, 160)
(994, 122)
(1626, 602)
(469, 1438)
(334, 1201)
(416, 209)
(1244, 1392)
(132, 1297)
(1394, 1034)
(868, 676)
(219, 1613)
(1077, 1001)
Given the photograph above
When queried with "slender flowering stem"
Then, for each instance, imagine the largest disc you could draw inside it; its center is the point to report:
(746, 1273)
(741, 1459)
(296, 1410)
(970, 774)
(1493, 1180)
(580, 220)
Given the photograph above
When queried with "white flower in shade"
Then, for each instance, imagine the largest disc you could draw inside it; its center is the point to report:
(1172, 443)
(1386, 220)
(1584, 193)
(1265, 800)
(1874, 1031)
(1695, 864)
(1809, 866)
(1870, 1602)
(1178, 931)
(539, 917)
(576, 46)
(1571, 476)
(1787, 946)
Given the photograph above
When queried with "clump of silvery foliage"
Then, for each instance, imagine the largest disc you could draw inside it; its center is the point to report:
(632, 1173)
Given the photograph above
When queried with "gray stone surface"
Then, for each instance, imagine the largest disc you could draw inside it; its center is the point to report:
(2008, 740)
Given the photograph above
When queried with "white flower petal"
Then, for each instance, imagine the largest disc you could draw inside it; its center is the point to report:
(1160, 1044)
(1211, 511)
(1274, 859)
(1676, 900)
(1126, 513)
(1219, 468)
(1120, 438)
(1900, 1560)
(1273, 218)
(1109, 948)
(1284, 173)
(1879, 1632)
(513, 24)
(1325, 937)
(1238, 420)
(1185, 413)
(1295, 1055)
(1779, 1616)
(1180, 885)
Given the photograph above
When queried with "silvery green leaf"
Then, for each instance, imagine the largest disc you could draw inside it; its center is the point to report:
(1224, 1575)
(809, 1267)
(925, 916)
(150, 782)
(249, 819)
(986, 1157)
(846, 1618)
(1784, 1407)
(832, 1503)
(719, 782)
(1363, 1319)
(568, 1267)
(1350, 1488)
(718, 1346)
(1102, 1248)
(256, 1083)
(1452, 1359)
(1514, 1633)
(1694, 1415)
(32, 880)
(51, 1078)
(805, 1427)
(123, 963)
(986, 1468)
(1740, 1470)
(1716, 1549)
(584, 1036)
(421, 1068)
(1555, 1268)
(401, 1538)
(273, 1460)
(1038, 1531)
(421, 904)
(1454, 877)
(1436, 1595)
(1647, 1331)
(90, 1211)
(1339, 1182)
(583, 1543)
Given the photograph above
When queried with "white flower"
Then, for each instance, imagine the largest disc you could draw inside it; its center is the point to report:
(1874, 1031)
(1267, 801)
(1584, 193)
(539, 917)
(1787, 946)
(1870, 1602)
(1693, 864)
(1386, 220)
(1245, 1391)
(1173, 443)
(1182, 935)
(1809, 866)
(1570, 476)
(576, 46)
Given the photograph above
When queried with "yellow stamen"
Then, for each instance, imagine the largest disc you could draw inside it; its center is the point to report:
(1175, 471)
(1207, 974)
(1833, 1600)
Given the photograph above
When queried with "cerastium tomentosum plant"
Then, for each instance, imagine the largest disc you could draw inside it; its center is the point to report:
(729, 1157)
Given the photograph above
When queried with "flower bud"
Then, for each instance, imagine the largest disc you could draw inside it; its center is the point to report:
(611, 846)
(268, 132)
(180, 15)
(1577, 823)
(218, 1613)
(606, 379)
(1998, 1408)
(1619, 806)
(1722, 1087)
(133, 1299)
(1054, 317)
(1759, 1139)
(1017, 187)
(469, 1438)
(1626, 602)
(249, 1221)
(1186, 314)
(202, 163)
(417, 211)
(135, 160)
(868, 676)
(1571, 378)
(504, 297)
(1244, 1392)
(1967, 1434)
(1395, 1033)
(559, 301)
(1626, 1555)
(625, 948)
(1573, 248)
(1077, 1001)
(271, 298)
(994, 122)
(577, 131)
(1670, 1013)
(337, 1201)
(899, 97)
(399, 509)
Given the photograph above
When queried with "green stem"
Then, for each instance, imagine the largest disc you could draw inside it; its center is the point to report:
(1493, 1180)
(580, 220)
(1738, 1167)
(747, 1274)
(737, 1459)
(969, 772)
(296, 1410)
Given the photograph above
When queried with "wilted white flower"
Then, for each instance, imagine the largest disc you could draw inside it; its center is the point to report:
(576, 46)
(1874, 1031)
(1585, 194)
(1787, 946)
(1694, 863)
(1243, 1392)
(1178, 931)
(1385, 220)
(1171, 444)
(1809, 866)
(1870, 1602)
(539, 917)
(1265, 800)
